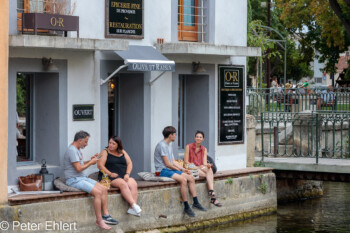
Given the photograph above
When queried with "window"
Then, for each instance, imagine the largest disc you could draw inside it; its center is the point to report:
(188, 15)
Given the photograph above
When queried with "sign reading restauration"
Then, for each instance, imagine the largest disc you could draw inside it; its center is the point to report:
(83, 112)
(124, 19)
(231, 104)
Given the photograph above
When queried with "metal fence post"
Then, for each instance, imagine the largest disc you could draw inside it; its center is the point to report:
(317, 137)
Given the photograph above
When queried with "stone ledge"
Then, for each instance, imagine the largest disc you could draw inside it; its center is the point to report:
(57, 42)
(142, 186)
(208, 49)
(161, 208)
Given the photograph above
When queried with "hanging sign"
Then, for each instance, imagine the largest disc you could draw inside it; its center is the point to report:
(231, 104)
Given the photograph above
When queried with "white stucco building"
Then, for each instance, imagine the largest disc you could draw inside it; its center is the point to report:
(134, 104)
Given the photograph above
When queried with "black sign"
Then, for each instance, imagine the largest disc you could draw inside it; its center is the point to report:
(124, 18)
(83, 112)
(231, 104)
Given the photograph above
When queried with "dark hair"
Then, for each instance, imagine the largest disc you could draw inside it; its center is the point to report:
(119, 142)
(168, 130)
(201, 132)
(81, 135)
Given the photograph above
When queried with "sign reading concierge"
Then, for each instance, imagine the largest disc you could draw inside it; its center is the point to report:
(231, 104)
(83, 112)
(124, 18)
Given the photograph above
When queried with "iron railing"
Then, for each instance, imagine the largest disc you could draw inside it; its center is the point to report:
(260, 100)
(194, 16)
(321, 134)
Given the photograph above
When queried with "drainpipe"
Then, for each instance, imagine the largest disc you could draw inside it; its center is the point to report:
(4, 56)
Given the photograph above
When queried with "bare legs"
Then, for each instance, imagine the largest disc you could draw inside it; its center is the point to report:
(208, 174)
(128, 189)
(183, 179)
(99, 192)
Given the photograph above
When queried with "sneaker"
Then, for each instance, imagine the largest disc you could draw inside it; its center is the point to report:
(137, 208)
(132, 212)
(199, 206)
(109, 220)
(190, 212)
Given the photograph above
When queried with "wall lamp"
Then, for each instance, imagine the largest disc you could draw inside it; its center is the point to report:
(48, 64)
(197, 67)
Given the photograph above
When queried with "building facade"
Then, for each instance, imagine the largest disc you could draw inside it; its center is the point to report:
(127, 68)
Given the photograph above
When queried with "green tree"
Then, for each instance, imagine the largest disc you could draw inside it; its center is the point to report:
(323, 25)
(299, 55)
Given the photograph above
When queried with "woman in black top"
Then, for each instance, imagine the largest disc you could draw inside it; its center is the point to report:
(116, 163)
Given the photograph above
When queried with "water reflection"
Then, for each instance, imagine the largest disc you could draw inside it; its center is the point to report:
(331, 213)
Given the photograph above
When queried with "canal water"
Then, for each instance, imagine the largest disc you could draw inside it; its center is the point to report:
(331, 213)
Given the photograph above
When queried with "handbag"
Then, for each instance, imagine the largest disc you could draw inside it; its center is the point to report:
(30, 183)
(212, 162)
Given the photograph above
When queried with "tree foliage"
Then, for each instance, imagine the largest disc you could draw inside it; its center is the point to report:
(299, 55)
(323, 25)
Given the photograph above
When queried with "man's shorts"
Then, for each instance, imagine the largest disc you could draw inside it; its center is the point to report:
(82, 183)
(169, 173)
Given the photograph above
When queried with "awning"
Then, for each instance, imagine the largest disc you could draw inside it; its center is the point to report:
(145, 58)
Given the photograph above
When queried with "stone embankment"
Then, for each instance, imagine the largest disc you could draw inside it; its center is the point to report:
(244, 193)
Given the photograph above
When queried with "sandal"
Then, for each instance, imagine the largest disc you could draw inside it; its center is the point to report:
(215, 202)
(212, 193)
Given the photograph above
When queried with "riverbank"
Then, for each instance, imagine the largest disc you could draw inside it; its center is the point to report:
(244, 193)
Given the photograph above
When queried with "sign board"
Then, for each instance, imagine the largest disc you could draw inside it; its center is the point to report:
(231, 104)
(83, 112)
(124, 19)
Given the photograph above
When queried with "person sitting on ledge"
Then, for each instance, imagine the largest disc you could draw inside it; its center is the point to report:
(116, 163)
(165, 164)
(196, 153)
(74, 172)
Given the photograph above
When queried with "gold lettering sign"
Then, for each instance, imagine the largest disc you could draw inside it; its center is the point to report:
(233, 76)
(54, 21)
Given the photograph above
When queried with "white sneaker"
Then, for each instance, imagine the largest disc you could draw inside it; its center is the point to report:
(136, 208)
(132, 212)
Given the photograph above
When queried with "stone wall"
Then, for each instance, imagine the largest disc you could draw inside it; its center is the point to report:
(295, 190)
(242, 197)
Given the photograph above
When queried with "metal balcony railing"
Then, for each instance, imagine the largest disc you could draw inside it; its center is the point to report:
(191, 19)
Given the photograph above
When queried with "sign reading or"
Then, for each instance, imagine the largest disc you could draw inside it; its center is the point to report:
(231, 104)
(83, 112)
(124, 18)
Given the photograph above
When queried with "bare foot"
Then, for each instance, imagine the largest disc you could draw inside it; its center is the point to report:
(102, 225)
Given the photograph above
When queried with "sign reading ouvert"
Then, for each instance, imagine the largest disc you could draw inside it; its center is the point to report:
(83, 112)
(231, 104)
(124, 19)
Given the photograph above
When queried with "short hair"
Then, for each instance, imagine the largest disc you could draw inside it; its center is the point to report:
(199, 132)
(81, 135)
(168, 130)
(117, 140)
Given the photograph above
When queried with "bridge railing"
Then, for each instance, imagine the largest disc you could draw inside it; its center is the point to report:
(321, 134)
(260, 100)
